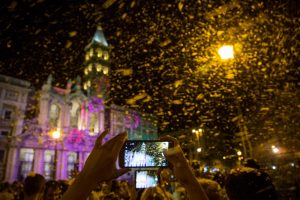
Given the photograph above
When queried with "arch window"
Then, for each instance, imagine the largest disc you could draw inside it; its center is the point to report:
(72, 164)
(26, 162)
(105, 55)
(99, 53)
(48, 164)
(54, 115)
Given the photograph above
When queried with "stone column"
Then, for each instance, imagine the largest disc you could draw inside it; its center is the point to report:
(38, 165)
(11, 171)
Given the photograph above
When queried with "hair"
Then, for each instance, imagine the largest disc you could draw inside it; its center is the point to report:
(249, 183)
(212, 188)
(250, 162)
(34, 184)
(153, 193)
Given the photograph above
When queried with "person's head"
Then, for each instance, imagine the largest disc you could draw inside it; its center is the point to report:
(180, 193)
(153, 193)
(212, 188)
(250, 162)
(249, 183)
(105, 188)
(110, 196)
(52, 190)
(34, 185)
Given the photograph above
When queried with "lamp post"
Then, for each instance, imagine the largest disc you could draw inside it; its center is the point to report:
(56, 136)
(198, 133)
(226, 52)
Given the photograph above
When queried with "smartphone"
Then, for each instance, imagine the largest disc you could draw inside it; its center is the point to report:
(145, 178)
(144, 154)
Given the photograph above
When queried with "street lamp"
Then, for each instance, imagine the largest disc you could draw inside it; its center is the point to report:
(56, 136)
(198, 133)
(275, 149)
(226, 52)
(239, 153)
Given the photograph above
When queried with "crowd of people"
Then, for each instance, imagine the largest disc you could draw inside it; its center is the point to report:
(100, 180)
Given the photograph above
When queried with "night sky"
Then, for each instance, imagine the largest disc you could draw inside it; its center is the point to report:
(164, 58)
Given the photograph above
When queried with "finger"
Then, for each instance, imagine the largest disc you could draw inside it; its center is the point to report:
(102, 136)
(98, 142)
(116, 141)
(170, 138)
(174, 155)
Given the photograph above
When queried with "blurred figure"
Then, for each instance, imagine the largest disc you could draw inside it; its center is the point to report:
(155, 193)
(18, 190)
(166, 179)
(248, 184)
(52, 190)
(121, 189)
(219, 177)
(95, 194)
(63, 185)
(6, 192)
(212, 189)
(251, 162)
(34, 186)
(180, 193)
(110, 196)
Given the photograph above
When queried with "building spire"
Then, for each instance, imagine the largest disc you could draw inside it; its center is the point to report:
(96, 70)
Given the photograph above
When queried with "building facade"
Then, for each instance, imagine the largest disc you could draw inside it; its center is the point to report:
(58, 141)
(13, 101)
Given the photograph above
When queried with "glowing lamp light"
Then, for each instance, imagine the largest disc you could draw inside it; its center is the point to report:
(275, 149)
(239, 153)
(56, 135)
(226, 52)
(199, 149)
(274, 167)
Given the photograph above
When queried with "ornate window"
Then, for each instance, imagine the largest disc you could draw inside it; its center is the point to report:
(105, 70)
(26, 162)
(8, 112)
(48, 164)
(54, 115)
(12, 95)
(105, 55)
(99, 53)
(72, 164)
(93, 125)
(87, 57)
(74, 113)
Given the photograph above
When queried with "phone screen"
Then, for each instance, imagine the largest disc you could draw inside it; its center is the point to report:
(146, 178)
(143, 154)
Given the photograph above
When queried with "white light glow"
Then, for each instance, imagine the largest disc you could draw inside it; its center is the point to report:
(56, 134)
(226, 52)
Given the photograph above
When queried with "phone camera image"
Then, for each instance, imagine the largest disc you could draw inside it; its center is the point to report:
(145, 154)
(146, 179)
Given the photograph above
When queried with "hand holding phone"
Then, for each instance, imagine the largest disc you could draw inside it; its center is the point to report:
(144, 154)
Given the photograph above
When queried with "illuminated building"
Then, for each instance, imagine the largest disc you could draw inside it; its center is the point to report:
(79, 114)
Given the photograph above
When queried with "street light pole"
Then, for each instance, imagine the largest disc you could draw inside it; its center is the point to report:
(55, 135)
(55, 160)
(199, 148)
(227, 52)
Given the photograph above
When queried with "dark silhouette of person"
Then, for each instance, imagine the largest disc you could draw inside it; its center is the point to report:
(247, 183)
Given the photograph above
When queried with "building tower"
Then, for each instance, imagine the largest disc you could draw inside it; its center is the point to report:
(96, 71)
